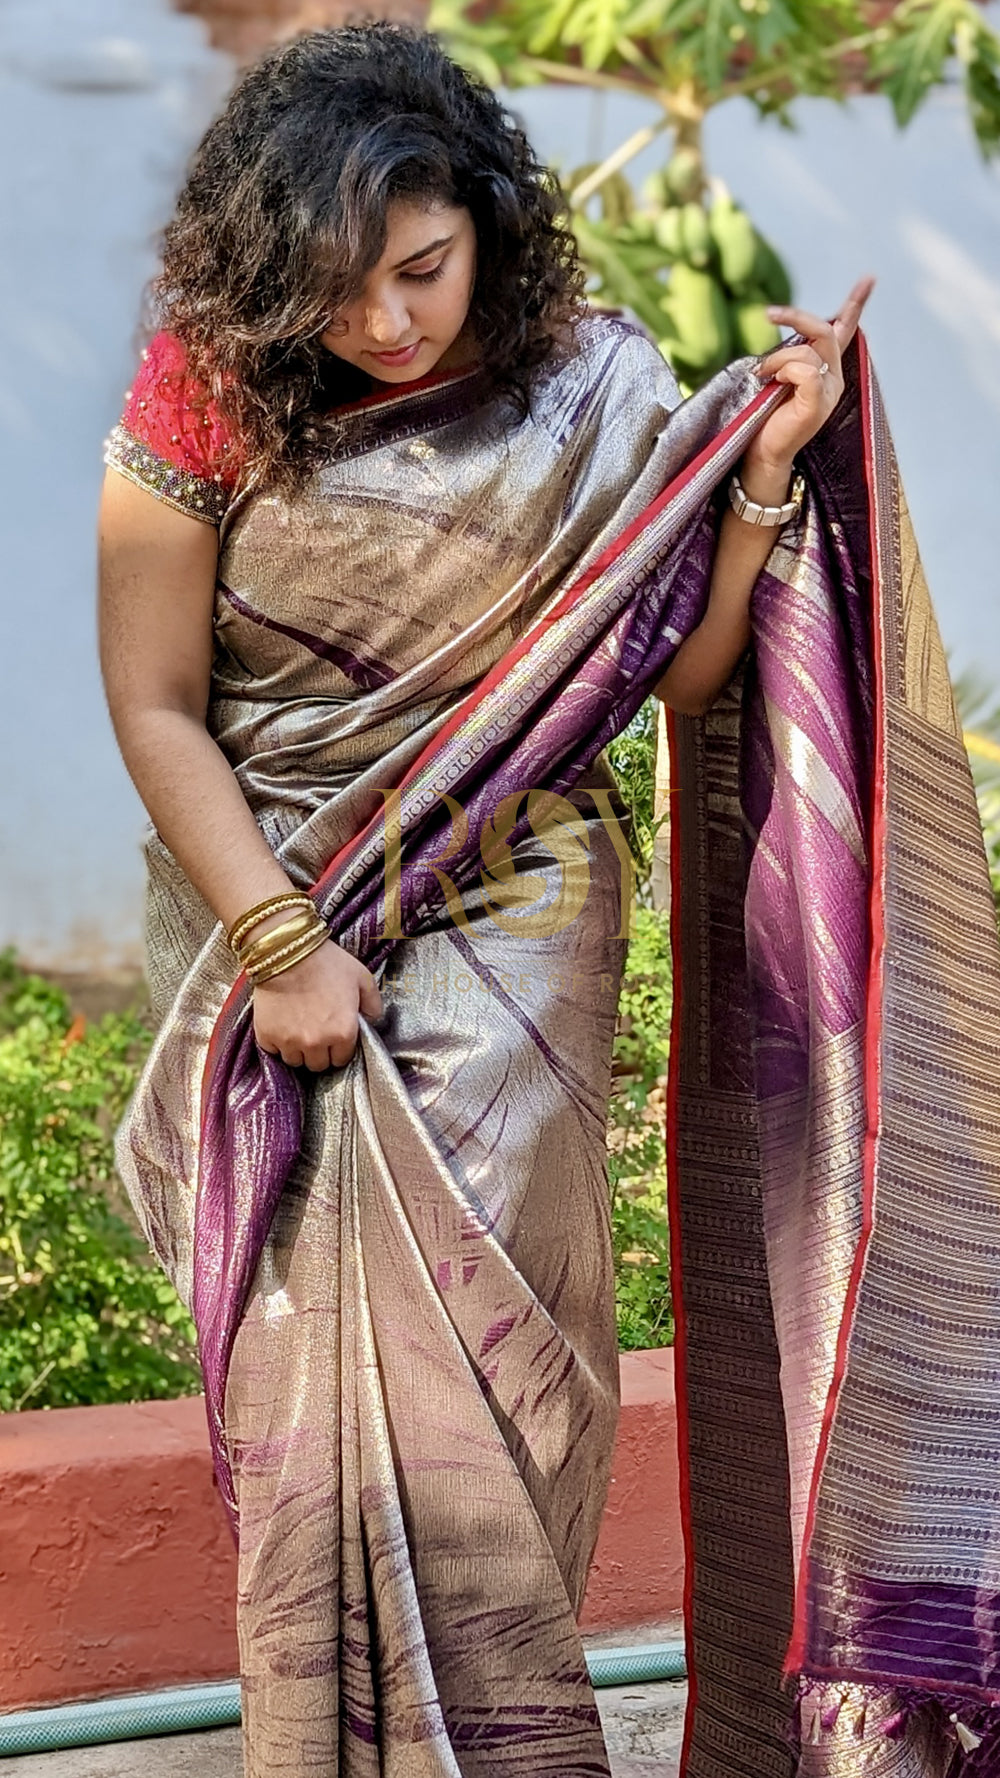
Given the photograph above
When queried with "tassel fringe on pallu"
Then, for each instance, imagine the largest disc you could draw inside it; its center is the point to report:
(830, 1718)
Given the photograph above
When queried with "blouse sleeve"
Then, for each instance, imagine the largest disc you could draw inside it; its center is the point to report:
(171, 439)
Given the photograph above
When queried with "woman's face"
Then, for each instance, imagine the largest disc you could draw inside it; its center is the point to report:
(408, 317)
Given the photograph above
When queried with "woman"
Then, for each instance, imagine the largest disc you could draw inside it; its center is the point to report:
(397, 537)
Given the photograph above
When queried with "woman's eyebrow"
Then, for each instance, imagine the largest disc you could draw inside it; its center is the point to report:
(445, 241)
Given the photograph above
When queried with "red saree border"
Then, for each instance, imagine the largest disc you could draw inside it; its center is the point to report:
(397, 393)
(499, 671)
(796, 1655)
(674, 1227)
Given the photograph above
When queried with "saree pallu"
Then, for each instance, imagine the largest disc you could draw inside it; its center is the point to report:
(401, 1271)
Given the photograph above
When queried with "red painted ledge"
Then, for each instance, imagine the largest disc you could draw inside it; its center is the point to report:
(117, 1571)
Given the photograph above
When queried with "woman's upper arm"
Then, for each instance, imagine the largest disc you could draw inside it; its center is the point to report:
(157, 591)
(171, 472)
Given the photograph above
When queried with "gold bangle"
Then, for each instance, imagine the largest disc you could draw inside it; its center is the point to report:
(303, 947)
(261, 954)
(255, 950)
(275, 904)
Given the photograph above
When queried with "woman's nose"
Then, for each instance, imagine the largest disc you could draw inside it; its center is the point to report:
(386, 321)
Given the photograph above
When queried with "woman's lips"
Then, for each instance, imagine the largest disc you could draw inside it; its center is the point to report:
(402, 355)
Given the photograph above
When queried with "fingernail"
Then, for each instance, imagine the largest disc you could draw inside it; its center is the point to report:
(775, 312)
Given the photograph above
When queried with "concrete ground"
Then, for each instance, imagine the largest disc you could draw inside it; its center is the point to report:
(642, 1726)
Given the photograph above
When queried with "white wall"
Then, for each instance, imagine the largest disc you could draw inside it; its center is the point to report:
(100, 102)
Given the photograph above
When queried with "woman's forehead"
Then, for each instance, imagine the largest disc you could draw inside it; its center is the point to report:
(413, 224)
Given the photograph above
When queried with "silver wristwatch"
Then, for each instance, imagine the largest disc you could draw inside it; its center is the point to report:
(755, 514)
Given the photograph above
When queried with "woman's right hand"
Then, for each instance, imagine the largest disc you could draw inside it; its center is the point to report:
(308, 1015)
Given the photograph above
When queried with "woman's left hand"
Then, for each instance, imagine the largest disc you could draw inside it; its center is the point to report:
(814, 374)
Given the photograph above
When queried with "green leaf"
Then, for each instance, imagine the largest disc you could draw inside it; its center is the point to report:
(982, 89)
(617, 281)
(551, 22)
(913, 59)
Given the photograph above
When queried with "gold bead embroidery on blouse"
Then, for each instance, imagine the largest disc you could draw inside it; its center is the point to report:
(200, 497)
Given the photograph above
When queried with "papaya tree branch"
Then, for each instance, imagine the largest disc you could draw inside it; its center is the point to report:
(619, 158)
(834, 52)
(592, 77)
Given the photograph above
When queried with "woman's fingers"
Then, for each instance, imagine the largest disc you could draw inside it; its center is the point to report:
(342, 1049)
(774, 361)
(819, 334)
(811, 367)
(845, 324)
(315, 1057)
(308, 1015)
(810, 379)
(828, 337)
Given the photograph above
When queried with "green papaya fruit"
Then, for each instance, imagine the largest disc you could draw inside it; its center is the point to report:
(643, 225)
(617, 201)
(736, 242)
(683, 177)
(698, 317)
(654, 190)
(770, 275)
(754, 332)
(668, 232)
(642, 259)
(696, 239)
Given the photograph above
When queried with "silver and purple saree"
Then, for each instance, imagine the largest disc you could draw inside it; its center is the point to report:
(401, 1271)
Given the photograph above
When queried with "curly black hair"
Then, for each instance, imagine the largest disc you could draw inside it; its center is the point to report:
(284, 213)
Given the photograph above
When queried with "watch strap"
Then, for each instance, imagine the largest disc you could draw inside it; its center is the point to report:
(766, 516)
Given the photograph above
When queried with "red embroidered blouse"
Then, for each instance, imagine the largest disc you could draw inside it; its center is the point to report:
(171, 438)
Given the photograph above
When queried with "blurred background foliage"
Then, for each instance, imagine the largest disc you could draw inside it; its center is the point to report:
(979, 708)
(684, 257)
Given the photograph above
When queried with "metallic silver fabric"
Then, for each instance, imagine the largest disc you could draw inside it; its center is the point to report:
(422, 1395)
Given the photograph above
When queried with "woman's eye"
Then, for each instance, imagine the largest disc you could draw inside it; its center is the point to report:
(425, 277)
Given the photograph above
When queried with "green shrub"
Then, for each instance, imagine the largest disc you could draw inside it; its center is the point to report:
(633, 758)
(85, 1315)
(989, 811)
(979, 711)
(636, 1139)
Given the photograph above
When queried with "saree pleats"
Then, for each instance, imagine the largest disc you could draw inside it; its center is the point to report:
(452, 1181)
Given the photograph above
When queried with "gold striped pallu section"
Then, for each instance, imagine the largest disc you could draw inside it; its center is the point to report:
(835, 1168)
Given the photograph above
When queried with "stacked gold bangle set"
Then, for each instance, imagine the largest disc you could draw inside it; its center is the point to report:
(283, 945)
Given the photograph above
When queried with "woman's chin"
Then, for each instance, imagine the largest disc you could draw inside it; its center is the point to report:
(410, 374)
